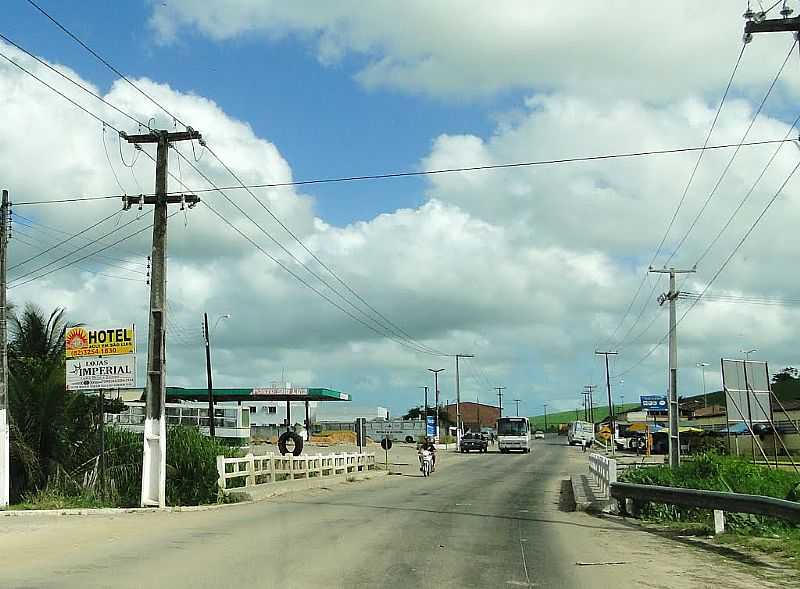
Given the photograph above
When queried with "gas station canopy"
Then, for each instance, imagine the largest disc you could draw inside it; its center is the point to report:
(257, 394)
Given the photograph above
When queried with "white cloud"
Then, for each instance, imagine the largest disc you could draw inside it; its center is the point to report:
(526, 268)
(463, 49)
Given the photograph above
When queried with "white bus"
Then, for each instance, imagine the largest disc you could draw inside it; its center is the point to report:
(513, 433)
(580, 432)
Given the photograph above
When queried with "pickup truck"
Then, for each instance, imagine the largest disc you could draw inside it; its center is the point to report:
(471, 442)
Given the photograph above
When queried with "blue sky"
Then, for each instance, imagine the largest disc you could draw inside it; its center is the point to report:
(323, 122)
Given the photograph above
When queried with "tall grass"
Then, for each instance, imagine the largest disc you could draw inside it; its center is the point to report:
(714, 472)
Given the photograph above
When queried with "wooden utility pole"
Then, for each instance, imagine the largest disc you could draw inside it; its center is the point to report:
(610, 404)
(155, 431)
(211, 429)
(500, 398)
(674, 409)
(5, 441)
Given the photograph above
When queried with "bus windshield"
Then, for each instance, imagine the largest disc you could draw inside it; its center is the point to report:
(516, 427)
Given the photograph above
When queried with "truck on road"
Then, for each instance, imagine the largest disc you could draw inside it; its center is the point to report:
(580, 432)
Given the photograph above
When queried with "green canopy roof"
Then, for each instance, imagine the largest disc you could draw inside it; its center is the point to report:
(257, 394)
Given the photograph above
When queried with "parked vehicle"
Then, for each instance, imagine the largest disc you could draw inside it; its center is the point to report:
(470, 442)
(580, 432)
(538, 435)
(513, 433)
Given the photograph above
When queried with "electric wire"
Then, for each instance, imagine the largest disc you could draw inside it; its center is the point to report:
(733, 156)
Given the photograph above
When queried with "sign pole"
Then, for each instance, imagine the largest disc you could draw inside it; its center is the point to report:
(102, 443)
(5, 440)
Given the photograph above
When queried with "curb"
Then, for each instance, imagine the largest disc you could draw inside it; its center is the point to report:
(247, 497)
(269, 490)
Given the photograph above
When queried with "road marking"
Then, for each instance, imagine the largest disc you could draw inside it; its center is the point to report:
(463, 504)
(524, 564)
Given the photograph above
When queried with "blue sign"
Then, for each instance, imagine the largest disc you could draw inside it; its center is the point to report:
(654, 403)
(430, 430)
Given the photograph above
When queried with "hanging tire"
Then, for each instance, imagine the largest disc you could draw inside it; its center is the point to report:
(297, 442)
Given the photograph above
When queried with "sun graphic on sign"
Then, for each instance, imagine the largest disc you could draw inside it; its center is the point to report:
(77, 338)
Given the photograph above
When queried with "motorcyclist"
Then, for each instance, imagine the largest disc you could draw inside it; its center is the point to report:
(428, 445)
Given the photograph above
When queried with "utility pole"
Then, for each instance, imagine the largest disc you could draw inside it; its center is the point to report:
(436, 372)
(500, 397)
(589, 391)
(702, 367)
(5, 439)
(211, 428)
(478, 407)
(154, 462)
(610, 404)
(517, 403)
(585, 406)
(425, 418)
(545, 418)
(674, 410)
(458, 398)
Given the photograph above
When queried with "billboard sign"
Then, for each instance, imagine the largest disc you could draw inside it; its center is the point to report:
(85, 341)
(94, 374)
(654, 403)
(431, 426)
(272, 391)
(747, 391)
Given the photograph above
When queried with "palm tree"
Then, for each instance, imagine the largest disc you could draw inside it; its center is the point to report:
(37, 396)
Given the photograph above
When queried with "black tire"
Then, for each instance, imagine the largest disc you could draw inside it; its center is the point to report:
(409, 440)
(297, 442)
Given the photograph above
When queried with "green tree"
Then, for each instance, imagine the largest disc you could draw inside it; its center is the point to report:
(36, 395)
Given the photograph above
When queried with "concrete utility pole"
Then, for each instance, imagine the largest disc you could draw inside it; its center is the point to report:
(702, 367)
(154, 465)
(436, 372)
(610, 403)
(500, 398)
(517, 403)
(425, 417)
(674, 410)
(545, 417)
(585, 406)
(5, 440)
(458, 398)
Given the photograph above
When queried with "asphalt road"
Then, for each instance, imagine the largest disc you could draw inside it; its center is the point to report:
(481, 520)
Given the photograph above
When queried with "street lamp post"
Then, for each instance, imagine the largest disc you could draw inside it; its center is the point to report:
(207, 334)
(747, 353)
(436, 372)
(702, 367)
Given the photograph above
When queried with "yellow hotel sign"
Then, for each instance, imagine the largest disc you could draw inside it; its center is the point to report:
(83, 341)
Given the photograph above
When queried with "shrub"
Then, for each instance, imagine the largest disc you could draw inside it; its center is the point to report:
(714, 472)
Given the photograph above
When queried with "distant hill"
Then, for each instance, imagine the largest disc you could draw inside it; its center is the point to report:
(600, 413)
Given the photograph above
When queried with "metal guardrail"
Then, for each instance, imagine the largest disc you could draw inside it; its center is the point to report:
(273, 468)
(715, 500)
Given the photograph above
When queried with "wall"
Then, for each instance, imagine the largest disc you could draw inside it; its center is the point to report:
(469, 415)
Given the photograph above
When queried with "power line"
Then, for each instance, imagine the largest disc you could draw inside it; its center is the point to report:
(732, 158)
(106, 63)
(699, 156)
(73, 262)
(68, 239)
(719, 270)
(424, 172)
(68, 254)
(302, 280)
(99, 119)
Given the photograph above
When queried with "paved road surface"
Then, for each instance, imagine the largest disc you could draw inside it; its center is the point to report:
(486, 520)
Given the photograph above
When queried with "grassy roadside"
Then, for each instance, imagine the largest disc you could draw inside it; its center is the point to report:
(784, 546)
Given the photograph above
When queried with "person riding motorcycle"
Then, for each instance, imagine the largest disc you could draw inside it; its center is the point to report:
(428, 446)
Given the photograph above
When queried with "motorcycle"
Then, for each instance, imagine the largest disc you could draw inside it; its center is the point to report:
(426, 462)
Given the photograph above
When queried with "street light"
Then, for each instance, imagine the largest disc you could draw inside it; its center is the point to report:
(207, 337)
(436, 372)
(702, 367)
(747, 353)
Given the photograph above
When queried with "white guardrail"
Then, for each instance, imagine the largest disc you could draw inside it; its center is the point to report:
(273, 468)
(604, 471)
